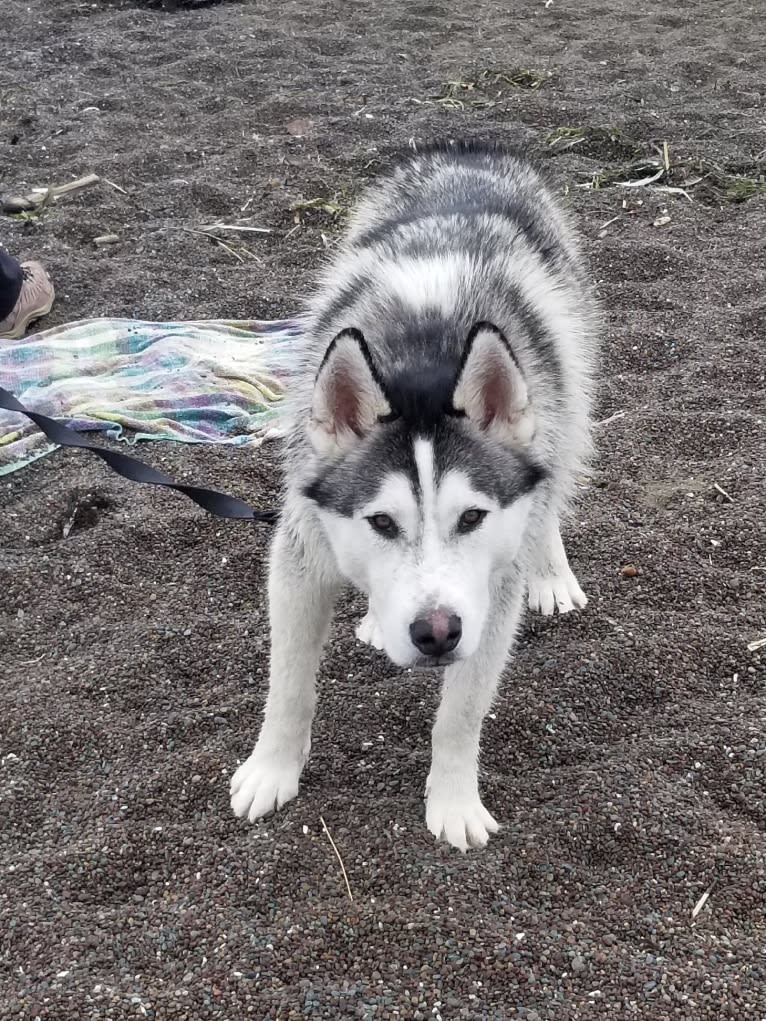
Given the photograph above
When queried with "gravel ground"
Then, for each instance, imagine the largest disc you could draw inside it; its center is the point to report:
(625, 756)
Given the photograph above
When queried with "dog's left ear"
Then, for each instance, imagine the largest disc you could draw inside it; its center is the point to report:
(348, 398)
(491, 390)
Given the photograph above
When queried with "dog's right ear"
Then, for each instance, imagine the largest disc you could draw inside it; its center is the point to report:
(348, 398)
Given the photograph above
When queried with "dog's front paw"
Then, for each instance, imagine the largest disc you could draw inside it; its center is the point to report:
(367, 631)
(557, 590)
(458, 816)
(264, 783)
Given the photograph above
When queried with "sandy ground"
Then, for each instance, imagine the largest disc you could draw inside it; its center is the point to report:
(625, 757)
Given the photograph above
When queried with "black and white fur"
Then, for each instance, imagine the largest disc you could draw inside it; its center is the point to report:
(443, 416)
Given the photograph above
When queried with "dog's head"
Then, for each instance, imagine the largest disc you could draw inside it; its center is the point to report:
(424, 489)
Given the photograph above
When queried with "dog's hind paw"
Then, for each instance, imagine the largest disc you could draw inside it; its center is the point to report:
(367, 631)
(560, 591)
(263, 784)
(459, 818)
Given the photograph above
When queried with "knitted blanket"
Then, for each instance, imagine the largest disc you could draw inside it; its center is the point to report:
(193, 382)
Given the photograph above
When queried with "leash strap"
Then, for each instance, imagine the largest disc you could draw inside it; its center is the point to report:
(213, 502)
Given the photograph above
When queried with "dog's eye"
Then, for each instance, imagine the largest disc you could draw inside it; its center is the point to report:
(470, 519)
(384, 525)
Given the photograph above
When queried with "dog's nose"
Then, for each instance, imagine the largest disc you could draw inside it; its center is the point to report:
(437, 633)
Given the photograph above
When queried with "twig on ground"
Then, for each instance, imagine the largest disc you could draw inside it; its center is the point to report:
(32, 662)
(212, 227)
(38, 198)
(670, 190)
(642, 181)
(204, 232)
(602, 228)
(612, 418)
(702, 901)
(67, 527)
(337, 855)
(42, 196)
(115, 186)
(759, 643)
(723, 492)
(222, 244)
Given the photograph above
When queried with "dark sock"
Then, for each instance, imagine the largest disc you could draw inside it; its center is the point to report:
(11, 281)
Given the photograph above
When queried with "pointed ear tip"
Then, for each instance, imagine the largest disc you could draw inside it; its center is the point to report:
(343, 348)
(349, 335)
(339, 344)
(485, 326)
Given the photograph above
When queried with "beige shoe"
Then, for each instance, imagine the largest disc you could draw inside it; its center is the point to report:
(35, 300)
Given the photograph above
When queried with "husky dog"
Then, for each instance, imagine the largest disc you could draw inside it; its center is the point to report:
(443, 415)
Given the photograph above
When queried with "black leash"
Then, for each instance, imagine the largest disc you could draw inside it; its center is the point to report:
(213, 502)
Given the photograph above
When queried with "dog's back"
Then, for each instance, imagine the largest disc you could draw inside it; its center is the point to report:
(467, 190)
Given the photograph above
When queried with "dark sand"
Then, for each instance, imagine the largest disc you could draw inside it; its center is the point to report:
(626, 755)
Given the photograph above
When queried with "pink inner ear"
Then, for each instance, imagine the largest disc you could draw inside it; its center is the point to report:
(344, 401)
(496, 391)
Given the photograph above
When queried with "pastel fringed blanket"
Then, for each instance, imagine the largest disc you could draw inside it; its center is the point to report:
(193, 382)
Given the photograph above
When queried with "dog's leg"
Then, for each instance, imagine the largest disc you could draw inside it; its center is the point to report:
(454, 810)
(551, 583)
(301, 597)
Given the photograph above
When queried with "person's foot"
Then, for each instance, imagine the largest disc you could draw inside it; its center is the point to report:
(35, 300)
